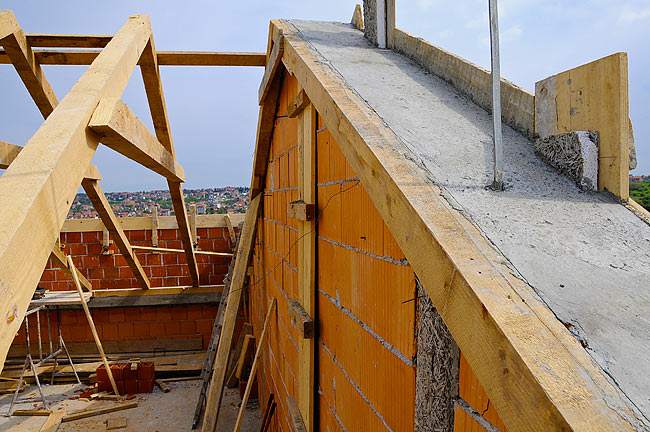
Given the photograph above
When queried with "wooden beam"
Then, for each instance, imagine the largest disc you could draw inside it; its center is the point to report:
(159, 249)
(533, 370)
(123, 132)
(301, 210)
(156, 98)
(91, 323)
(297, 423)
(297, 104)
(357, 18)
(165, 58)
(144, 222)
(101, 204)
(37, 191)
(231, 231)
(8, 152)
(61, 260)
(20, 54)
(256, 363)
(99, 411)
(136, 292)
(301, 319)
(272, 67)
(52, 423)
(68, 40)
(244, 252)
(307, 293)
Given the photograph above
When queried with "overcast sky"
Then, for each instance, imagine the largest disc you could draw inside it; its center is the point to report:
(213, 110)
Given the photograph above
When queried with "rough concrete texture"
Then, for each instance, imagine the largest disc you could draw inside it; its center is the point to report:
(587, 256)
(574, 154)
(370, 20)
(438, 359)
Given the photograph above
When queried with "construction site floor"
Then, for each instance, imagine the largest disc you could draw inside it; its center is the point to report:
(157, 411)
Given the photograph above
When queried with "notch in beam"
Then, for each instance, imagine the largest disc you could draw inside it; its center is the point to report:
(301, 319)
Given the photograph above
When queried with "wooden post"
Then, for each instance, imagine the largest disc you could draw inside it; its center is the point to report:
(154, 226)
(307, 260)
(256, 363)
(195, 238)
(91, 323)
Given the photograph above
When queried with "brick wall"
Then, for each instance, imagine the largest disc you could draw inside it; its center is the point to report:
(135, 324)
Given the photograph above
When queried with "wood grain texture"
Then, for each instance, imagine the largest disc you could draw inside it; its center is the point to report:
(531, 367)
(8, 152)
(123, 132)
(39, 186)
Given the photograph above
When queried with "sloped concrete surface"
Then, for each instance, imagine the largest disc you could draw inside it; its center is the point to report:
(587, 256)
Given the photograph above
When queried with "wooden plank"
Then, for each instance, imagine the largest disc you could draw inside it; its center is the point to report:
(91, 323)
(297, 424)
(52, 423)
(297, 104)
(68, 40)
(159, 249)
(156, 98)
(249, 342)
(231, 231)
(130, 292)
(301, 210)
(20, 53)
(99, 411)
(61, 298)
(307, 232)
(256, 362)
(532, 369)
(8, 152)
(244, 252)
(231, 378)
(101, 204)
(162, 386)
(144, 223)
(272, 68)
(44, 413)
(114, 423)
(301, 319)
(595, 97)
(357, 17)
(60, 259)
(123, 132)
(37, 191)
(165, 58)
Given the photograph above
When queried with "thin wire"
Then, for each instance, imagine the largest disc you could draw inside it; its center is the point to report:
(356, 182)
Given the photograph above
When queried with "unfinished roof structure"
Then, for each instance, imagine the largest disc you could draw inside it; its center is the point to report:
(387, 287)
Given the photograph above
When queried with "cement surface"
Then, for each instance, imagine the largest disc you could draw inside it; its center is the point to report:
(586, 256)
(156, 412)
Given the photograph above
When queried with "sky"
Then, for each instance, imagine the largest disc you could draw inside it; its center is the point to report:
(213, 110)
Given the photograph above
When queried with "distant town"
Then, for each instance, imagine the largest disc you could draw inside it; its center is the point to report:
(640, 190)
(128, 204)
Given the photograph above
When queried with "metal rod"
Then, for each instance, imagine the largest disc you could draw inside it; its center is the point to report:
(40, 341)
(49, 329)
(18, 384)
(497, 184)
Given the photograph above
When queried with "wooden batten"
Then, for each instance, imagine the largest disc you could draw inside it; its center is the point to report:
(272, 66)
(61, 260)
(301, 210)
(301, 319)
(298, 104)
(8, 152)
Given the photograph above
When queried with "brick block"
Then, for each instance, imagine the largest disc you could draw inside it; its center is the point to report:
(157, 329)
(73, 237)
(116, 315)
(184, 281)
(157, 271)
(94, 249)
(136, 235)
(91, 237)
(68, 317)
(91, 261)
(141, 329)
(204, 326)
(209, 311)
(96, 273)
(148, 313)
(188, 327)
(125, 330)
(131, 314)
(169, 259)
(168, 234)
(163, 313)
(78, 249)
(120, 261)
(153, 259)
(194, 312)
(179, 313)
(109, 331)
(174, 270)
(99, 315)
(124, 283)
(48, 275)
(174, 244)
(172, 328)
(107, 260)
(221, 245)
